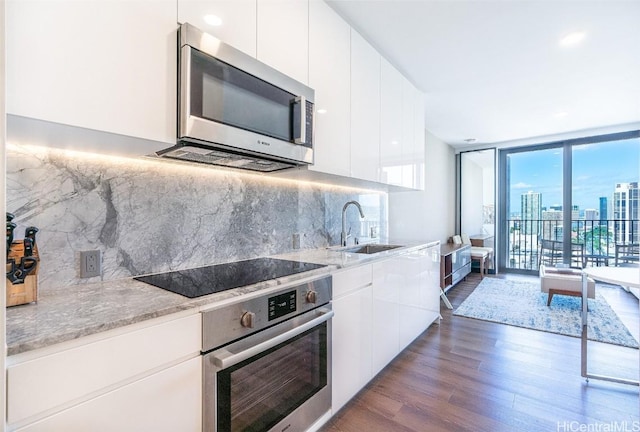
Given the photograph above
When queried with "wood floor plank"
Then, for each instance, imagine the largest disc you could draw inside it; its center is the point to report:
(472, 375)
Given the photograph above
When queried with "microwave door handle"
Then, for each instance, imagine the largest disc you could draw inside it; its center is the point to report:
(225, 358)
(300, 137)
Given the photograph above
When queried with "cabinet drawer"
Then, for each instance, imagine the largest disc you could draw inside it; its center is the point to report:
(56, 380)
(460, 273)
(167, 401)
(351, 279)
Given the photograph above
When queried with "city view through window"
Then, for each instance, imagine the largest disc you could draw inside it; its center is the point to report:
(604, 206)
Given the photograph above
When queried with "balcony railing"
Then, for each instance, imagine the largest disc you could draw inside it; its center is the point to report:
(594, 242)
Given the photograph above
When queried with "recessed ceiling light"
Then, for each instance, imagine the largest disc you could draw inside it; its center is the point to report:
(470, 140)
(321, 111)
(395, 142)
(572, 38)
(561, 114)
(212, 20)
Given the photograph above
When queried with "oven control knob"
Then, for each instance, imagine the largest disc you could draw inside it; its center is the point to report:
(248, 319)
(312, 297)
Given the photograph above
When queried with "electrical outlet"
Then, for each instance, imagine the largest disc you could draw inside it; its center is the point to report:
(90, 263)
(296, 241)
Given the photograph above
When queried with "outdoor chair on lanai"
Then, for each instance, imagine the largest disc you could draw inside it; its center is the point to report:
(551, 253)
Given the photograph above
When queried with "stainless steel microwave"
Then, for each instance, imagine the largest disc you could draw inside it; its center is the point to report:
(236, 111)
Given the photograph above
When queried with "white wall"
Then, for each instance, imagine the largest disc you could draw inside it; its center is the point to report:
(430, 214)
(472, 199)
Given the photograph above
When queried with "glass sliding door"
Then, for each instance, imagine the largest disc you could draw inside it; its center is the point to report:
(533, 202)
(477, 197)
(604, 198)
(573, 202)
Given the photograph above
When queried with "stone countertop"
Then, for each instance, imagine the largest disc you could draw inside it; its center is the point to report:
(83, 310)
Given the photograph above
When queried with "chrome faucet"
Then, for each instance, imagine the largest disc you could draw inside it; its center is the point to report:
(343, 234)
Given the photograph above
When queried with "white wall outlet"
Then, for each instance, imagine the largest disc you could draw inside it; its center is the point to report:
(90, 263)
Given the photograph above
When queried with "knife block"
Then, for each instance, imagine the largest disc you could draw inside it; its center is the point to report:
(27, 292)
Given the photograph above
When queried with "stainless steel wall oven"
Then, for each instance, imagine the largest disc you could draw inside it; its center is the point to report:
(267, 360)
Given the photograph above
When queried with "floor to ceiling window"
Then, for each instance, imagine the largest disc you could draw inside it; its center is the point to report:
(534, 193)
(573, 202)
(605, 199)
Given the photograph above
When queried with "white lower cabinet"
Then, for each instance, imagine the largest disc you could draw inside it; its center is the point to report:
(419, 299)
(170, 400)
(385, 326)
(142, 377)
(351, 334)
(380, 308)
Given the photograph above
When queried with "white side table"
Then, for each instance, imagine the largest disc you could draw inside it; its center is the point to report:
(624, 276)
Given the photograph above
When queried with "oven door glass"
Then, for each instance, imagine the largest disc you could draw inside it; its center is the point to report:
(228, 95)
(256, 394)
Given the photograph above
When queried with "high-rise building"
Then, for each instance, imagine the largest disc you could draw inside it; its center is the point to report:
(552, 225)
(603, 211)
(531, 212)
(625, 212)
(591, 214)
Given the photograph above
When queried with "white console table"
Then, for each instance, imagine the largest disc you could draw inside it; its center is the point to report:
(628, 277)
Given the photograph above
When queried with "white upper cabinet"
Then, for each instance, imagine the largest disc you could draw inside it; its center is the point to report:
(391, 123)
(365, 109)
(408, 133)
(329, 75)
(418, 146)
(283, 36)
(401, 130)
(236, 24)
(107, 65)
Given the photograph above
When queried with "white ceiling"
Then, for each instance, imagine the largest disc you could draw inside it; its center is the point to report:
(495, 70)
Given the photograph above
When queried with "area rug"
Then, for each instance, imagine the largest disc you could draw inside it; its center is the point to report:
(521, 304)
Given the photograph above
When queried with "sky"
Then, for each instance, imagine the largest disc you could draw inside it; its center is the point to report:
(596, 170)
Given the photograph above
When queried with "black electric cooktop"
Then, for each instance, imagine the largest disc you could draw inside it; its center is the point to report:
(221, 277)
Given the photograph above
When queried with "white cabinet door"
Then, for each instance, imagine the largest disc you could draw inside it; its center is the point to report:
(365, 109)
(408, 133)
(54, 380)
(103, 65)
(418, 294)
(168, 401)
(387, 277)
(418, 147)
(390, 123)
(432, 282)
(237, 25)
(329, 75)
(283, 36)
(351, 345)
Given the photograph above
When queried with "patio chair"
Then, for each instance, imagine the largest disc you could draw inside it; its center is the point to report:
(627, 253)
(550, 252)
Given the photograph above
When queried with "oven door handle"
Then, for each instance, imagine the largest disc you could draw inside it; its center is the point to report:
(224, 357)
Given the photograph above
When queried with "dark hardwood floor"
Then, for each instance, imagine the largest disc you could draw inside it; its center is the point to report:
(472, 375)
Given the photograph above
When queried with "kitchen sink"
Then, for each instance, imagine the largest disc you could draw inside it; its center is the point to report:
(371, 248)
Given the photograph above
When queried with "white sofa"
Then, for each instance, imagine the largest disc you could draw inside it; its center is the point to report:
(564, 282)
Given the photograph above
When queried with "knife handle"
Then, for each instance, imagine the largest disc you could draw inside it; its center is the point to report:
(30, 232)
(28, 246)
(10, 227)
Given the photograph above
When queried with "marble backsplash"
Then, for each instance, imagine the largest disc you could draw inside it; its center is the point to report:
(149, 216)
